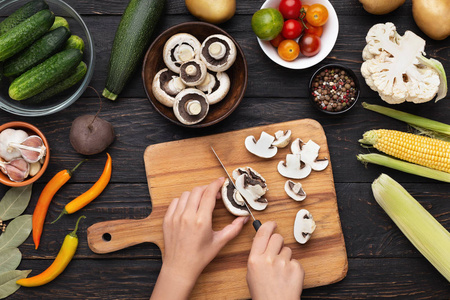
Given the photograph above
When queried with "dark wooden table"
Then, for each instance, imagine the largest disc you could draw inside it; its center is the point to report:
(382, 262)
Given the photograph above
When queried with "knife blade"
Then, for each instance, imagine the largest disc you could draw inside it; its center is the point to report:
(256, 223)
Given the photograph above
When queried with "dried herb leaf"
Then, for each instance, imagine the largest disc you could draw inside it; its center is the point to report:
(16, 232)
(8, 282)
(15, 202)
(10, 259)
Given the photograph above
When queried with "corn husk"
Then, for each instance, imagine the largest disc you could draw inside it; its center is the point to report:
(416, 223)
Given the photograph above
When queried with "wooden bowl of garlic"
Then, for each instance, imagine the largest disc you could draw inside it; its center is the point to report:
(24, 154)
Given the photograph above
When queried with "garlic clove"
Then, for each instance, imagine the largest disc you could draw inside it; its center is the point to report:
(32, 148)
(17, 169)
(35, 168)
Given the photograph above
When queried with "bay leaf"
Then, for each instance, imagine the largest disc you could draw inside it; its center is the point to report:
(15, 202)
(8, 283)
(16, 232)
(10, 259)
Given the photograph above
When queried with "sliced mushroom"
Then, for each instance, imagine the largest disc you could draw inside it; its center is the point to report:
(282, 138)
(309, 154)
(263, 147)
(293, 168)
(295, 190)
(304, 226)
(218, 52)
(296, 146)
(252, 186)
(166, 85)
(191, 106)
(180, 48)
(215, 86)
(233, 200)
(193, 72)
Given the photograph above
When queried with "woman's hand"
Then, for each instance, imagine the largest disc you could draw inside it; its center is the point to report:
(272, 272)
(189, 240)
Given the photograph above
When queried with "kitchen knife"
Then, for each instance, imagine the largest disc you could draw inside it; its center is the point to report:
(256, 223)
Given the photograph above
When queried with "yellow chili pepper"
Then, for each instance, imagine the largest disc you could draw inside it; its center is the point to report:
(61, 261)
(88, 196)
(44, 201)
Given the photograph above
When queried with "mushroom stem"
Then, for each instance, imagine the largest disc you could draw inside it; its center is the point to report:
(185, 53)
(217, 50)
(193, 107)
(191, 70)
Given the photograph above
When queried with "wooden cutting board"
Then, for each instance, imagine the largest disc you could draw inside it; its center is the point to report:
(178, 166)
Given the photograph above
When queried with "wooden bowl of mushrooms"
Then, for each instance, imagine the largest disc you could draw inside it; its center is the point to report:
(24, 154)
(195, 74)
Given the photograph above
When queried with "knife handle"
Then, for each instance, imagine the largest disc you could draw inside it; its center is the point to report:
(256, 224)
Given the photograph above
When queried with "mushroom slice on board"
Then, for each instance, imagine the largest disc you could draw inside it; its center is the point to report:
(263, 147)
(215, 86)
(295, 190)
(218, 52)
(252, 189)
(233, 200)
(191, 106)
(282, 138)
(193, 72)
(179, 48)
(309, 154)
(304, 226)
(296, 146)
(293, 168)
(166, 85)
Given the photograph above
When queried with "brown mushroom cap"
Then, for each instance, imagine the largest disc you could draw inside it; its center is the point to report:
(218, 52)
(165, 86)
(193, 72)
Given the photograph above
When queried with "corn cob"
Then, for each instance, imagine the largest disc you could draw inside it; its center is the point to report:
(421, 150)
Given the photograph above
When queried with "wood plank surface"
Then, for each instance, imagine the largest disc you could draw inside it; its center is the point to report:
(382, 262)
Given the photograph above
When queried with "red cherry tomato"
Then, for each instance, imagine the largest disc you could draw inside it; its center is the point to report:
(292, 29)
(288, 50)
(290, 9)
(313, 29)
(276, 41)
(317, 15)
(309, 44)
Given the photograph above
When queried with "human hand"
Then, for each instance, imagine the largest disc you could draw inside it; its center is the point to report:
(272, 273)
(189, 240)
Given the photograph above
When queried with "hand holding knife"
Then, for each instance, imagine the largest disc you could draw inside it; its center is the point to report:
(256, 223)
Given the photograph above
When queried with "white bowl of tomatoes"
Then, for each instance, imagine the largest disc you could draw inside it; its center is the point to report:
(300, 45)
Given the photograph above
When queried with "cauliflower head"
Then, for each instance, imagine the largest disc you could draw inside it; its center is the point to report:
(394, 66)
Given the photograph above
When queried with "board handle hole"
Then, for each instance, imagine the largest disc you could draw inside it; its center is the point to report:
(106, 237)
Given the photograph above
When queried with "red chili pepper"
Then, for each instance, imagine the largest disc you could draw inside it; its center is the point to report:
(45, 198)
(88, 196)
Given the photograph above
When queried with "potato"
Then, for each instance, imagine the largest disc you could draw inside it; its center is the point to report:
(212, 11)
(432, 17)
(381, 7)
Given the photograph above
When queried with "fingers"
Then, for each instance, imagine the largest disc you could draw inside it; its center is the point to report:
(230, 231)
(286, 253)
(262, 238)
(194, 198)
(276, 243)
(208, 201)
(181, 204)
(171, 209)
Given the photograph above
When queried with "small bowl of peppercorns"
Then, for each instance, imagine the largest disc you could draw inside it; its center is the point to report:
(334, 89)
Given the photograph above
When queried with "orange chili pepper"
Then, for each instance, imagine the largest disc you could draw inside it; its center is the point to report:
(44, 201)
(65, 255)
(88, 196)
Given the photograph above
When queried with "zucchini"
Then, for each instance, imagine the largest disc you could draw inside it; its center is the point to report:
(40, 50)
(24, 34)
(130, 42)
(70, 81)
(21, 15)
(53, 70)
(75, 42)
(59, 21)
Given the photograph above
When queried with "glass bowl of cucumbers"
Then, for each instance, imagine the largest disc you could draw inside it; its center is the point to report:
(46, 54)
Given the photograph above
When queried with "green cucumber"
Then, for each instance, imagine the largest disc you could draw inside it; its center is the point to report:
(24, 34)
(40, 50)
(70, 81)
(75, 42)
(21, 15)
(59, 21)
(131, 40)
(53, 70)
